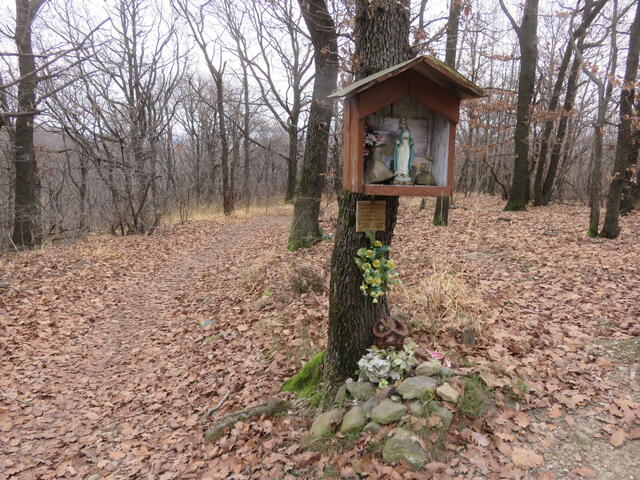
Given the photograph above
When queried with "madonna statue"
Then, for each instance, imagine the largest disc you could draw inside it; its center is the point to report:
(403, 154)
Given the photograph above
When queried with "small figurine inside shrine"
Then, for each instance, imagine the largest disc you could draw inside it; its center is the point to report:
(403, 154)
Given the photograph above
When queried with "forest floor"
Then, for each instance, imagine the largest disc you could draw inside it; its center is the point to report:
(112, 348)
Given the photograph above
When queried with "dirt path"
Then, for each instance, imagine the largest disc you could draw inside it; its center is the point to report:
(108, 378)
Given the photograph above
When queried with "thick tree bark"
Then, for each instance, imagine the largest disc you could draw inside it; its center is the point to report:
(631, 189)
(624, 146)
(305, 228)
(382, 40)
(441, 214)
(528, 40)
(27, 230)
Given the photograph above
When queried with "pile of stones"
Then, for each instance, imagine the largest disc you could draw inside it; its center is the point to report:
(359, 407)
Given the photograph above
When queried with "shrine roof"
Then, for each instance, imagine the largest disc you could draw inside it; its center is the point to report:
(427, 66)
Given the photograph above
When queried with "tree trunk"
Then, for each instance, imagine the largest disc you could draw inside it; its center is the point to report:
(27, 229)
(548, 127)
(82, 191)
(527, 38)
(292, 163)
(227, 191)
(245, 142)
(611, 227)
(554, 159)
(595, 190)
(382, 40)
(441, 214)
(631, 189)
(305, 228)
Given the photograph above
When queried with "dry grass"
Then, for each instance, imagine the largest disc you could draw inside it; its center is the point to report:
(214, 212)
(103, 251)
(258, 276)
(305, 277)
(445, 299)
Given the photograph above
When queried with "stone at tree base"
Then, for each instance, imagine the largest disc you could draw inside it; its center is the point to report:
(323, 424)
(447, 393)
(341, 395)
(427, 369)
(445, 414)
(388, 412)
(372, 427)
(370, 404)
(361, 391)
(354, 420)
(416, 408)
(417, 387)
(404, 445)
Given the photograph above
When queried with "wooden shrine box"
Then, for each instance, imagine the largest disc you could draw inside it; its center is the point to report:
(427, 94)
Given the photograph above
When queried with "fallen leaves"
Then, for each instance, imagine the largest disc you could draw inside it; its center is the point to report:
(526, 459)
(618, 438)
(555, 411)
(133, 338)
(586, 472)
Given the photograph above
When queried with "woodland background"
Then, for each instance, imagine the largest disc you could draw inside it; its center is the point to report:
(148, 110)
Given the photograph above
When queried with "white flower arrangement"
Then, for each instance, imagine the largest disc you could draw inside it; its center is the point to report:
(385, 366)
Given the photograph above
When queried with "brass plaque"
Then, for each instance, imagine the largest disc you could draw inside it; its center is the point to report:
(371, 216)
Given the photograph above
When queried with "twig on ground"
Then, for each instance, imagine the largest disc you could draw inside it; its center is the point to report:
(9, 397)
(220, 427)
(212, 410)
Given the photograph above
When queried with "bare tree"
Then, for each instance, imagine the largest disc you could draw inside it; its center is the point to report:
(605, 91)
(305, 227)
(623, 159)
(543, 186)
(124, 107)
(528, 41)
(282, 47)
(27, 230)
(197, 26)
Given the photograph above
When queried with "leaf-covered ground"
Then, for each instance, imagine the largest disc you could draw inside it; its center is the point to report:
(112, 348)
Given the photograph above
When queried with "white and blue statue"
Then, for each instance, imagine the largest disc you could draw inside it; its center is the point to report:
(403, 154)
